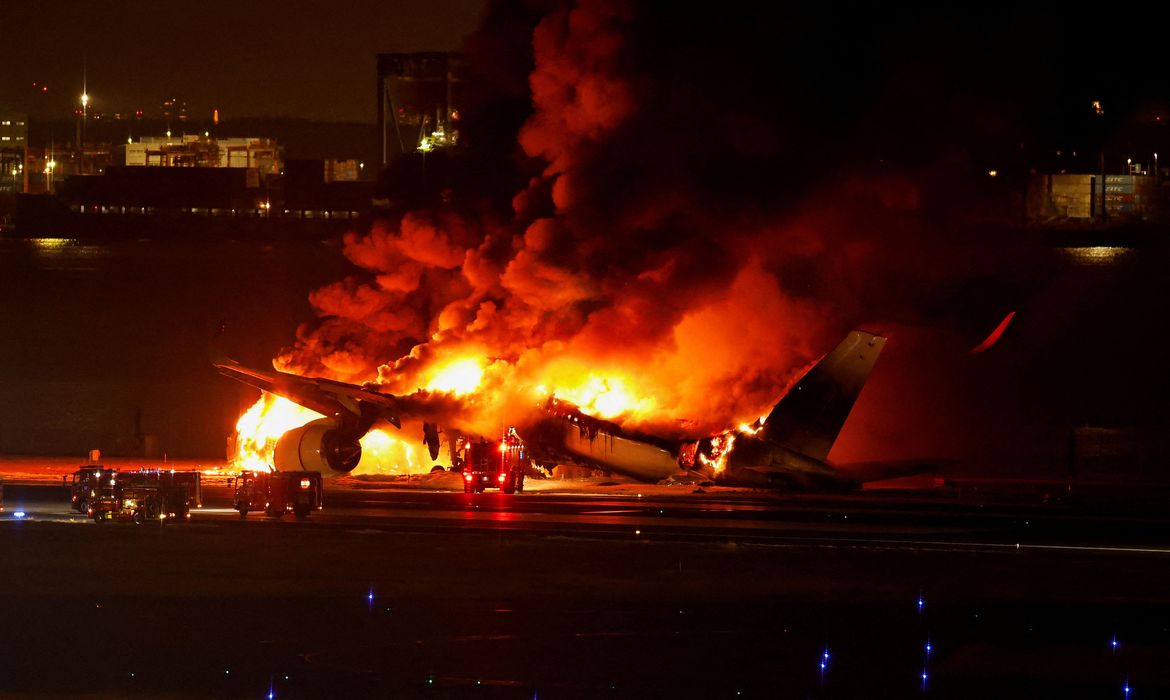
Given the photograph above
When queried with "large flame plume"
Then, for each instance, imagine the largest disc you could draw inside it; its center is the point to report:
(650, 272)
(261, 426)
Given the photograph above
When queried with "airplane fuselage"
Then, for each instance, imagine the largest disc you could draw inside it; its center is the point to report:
(752, 462)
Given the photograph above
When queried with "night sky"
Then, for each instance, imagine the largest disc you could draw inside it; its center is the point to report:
(312, 60)
(917, 79)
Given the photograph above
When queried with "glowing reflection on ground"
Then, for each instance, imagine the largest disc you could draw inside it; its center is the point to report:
(1097, 256)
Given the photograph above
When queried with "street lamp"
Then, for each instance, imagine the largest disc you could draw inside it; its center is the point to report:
(81, 127)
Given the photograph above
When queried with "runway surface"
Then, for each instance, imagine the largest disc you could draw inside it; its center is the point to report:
(417, 593)
(916, 520)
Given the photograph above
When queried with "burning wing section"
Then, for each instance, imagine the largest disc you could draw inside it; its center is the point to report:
(329, 444)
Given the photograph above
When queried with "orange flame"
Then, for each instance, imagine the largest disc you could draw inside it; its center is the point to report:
(383, 453)
(606, 397)
(724, 443)
(721, 446)
(259, 429)
(460, 377)
(262, 425)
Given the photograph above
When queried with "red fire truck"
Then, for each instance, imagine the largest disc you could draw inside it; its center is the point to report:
(277, 493)
(84, 484)
(88, 481)
(486, 465)
(141, 502)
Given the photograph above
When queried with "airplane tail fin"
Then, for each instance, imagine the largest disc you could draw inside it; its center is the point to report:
(809, 417)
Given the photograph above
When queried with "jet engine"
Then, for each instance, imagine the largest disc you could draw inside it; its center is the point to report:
(319, 446)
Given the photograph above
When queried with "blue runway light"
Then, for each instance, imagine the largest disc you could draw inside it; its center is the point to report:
(921, 603)
(1113, 644)
(18, 514)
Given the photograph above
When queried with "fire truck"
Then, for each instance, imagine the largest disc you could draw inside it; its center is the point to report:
(277, 493)
(190, 480)
(486, 465)
(88, 480)
(84, 484)
(138, 501)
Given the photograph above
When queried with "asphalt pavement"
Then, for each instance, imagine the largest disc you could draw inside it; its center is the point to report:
(414, 593)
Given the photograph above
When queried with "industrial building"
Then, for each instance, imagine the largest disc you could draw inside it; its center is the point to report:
(13, 153)
(418, 103)
(1085, 198)
(259, 154)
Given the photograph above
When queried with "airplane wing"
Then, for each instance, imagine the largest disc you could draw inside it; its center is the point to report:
(324, 396)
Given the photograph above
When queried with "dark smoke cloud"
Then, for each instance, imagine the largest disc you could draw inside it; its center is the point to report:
(684, 216)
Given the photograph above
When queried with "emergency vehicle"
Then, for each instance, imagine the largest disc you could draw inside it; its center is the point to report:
(87, 481)
(84, 484)
(191, 480)
(277, 493)
(486, 465)
(138, 502)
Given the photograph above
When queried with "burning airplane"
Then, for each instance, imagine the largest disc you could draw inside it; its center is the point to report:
(787, 448)
(618, 277)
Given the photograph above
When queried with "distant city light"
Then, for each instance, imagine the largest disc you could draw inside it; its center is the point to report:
(84, 100)
(992, 173)
(1097, 107)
